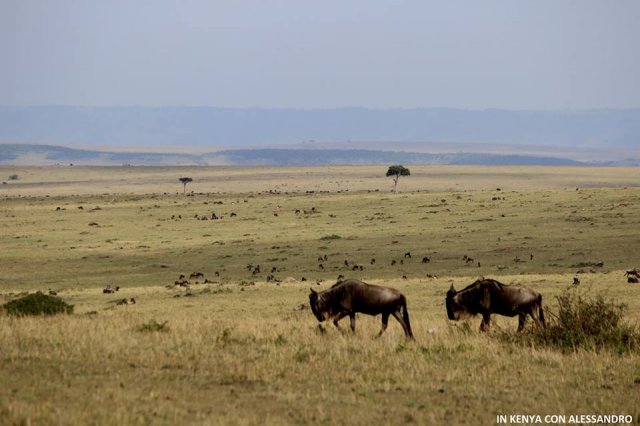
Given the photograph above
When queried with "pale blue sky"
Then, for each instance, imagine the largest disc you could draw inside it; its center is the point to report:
(540, 54)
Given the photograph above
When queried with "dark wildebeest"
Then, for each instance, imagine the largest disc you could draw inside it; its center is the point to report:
(487, 296)
(632, 272)
(346, 298)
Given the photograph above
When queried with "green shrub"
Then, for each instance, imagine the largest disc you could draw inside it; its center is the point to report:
(583, 322)
(38, 304)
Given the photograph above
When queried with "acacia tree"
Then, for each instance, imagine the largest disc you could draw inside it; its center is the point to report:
(185, 181)
(396, 171)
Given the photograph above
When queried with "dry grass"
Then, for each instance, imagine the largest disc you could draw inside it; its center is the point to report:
(240, 354)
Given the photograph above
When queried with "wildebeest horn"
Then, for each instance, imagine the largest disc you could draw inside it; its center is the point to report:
(312, 290)
(452, 289)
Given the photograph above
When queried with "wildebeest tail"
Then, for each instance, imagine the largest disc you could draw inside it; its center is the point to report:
(541, 312)
(405, 317)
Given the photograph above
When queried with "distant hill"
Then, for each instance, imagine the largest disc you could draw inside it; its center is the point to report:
(260, 128)
(359, 156)
(25, 154)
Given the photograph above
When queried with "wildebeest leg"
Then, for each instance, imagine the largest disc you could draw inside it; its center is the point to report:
(385, 321)
(338, 318)
(522, 317)
(486, 321)
(352, 317)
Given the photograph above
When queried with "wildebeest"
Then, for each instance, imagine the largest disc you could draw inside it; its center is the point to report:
(630, 272)
(631, 279)
(487, 296)
(196, 275)
(346, 298)
(426, 259)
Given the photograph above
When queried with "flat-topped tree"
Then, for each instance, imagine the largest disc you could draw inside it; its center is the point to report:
(185, 181)
(396, 171)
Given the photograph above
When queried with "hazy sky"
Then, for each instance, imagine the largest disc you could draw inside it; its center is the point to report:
(469, 54)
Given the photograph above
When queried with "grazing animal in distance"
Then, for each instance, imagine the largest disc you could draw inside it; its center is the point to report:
(407, 255)
(346, 298)
(487, 296)
(426, 259)
(393, 262)
(196, 275)
(372, 261)
(631, 279)
(576, 281)
(630, 272)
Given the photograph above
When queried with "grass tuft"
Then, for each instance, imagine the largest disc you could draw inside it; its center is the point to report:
(153, 326)
(331, 237)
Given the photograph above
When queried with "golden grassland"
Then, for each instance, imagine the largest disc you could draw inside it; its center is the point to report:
(236, 352)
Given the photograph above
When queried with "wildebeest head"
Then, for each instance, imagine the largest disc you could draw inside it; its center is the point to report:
(455, 310)
(450, 303)
(313, 302)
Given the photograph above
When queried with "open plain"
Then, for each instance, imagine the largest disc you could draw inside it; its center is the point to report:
(234, 350)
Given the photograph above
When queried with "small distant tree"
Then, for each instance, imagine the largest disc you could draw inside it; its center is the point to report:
(185, 181)
(396, 171)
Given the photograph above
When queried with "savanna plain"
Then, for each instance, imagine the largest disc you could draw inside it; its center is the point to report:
(243, 348)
